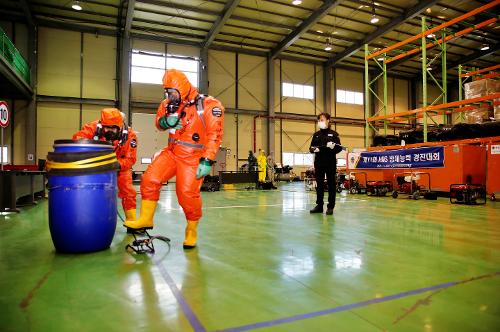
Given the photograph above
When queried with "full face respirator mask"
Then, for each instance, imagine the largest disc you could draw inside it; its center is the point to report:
(174, 100)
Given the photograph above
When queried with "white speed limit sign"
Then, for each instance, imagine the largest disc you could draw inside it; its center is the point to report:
(4, 114)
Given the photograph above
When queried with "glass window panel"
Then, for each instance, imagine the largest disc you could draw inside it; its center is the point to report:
(349, 97)
(308, 159)
(358, 98)
(341, 96)
(193, 78)
(299, 159)
(5, 154)
(298, 91)
(308, 92)
(185, 65)
(150, 61)
(287, 90)
(288, 159)
(147, 75)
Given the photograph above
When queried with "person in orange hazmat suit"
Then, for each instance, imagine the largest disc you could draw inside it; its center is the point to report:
(112, 128)
(195, 124)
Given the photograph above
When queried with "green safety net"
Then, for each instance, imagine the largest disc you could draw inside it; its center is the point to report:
(11, 54)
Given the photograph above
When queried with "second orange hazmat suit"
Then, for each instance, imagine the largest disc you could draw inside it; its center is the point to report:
(126, 153)
(191, 148)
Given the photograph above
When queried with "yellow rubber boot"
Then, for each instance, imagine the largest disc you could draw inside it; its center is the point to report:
(130, 215)
(145, 221)
(191, 235)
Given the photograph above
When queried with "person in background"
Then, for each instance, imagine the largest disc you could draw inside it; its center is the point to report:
(252, 162)
(262, 164)
(325, 145)
(195, 124)
(112, 128)
(270, 169)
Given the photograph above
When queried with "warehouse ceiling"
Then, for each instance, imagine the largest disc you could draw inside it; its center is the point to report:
(329, 32)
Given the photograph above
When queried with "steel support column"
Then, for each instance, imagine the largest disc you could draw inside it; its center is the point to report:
(424, 76)
(124, 101)
(270, 107)
(31, 112)
(444, 82)
(203, 71)
(367, 99)
(327, 90)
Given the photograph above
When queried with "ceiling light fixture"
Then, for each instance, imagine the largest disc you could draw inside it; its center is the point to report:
(319, 31)
(328, 46)
(380, 59)
(76, 5)
(485, 47)
(431, 35)
(296, 2)
(374, 18)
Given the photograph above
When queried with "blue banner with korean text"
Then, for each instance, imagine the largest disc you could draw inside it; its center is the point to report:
(427, 157)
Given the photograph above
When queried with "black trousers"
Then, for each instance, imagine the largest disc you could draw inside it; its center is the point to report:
(320, 172)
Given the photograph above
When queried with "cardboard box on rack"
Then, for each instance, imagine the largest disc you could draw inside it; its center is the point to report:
(481, 88)
(479, 115)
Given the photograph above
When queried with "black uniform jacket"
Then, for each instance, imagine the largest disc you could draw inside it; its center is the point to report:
(326, 157)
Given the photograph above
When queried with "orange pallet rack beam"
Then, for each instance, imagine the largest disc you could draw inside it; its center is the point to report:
(437, 28)
(434, 107)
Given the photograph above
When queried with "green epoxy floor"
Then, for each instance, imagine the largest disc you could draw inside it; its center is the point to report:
(261, 258)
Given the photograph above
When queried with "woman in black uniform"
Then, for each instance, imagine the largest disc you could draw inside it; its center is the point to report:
(325, 145)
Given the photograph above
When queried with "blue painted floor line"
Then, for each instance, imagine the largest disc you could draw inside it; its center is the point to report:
(188, 312)
(355, 305)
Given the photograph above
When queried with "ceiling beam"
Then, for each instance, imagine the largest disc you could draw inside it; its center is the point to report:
(178, 6)
(164, 39)
(129, 17)
(111, 32)
(103, 4)
(44, 22)
(171, 14)
(408, 14)
(219, 23)
(48, 7)
(314, 18)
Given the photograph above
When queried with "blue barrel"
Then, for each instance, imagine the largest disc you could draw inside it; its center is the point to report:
(82, 199)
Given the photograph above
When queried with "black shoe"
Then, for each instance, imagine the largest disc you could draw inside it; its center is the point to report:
(317, 209)
(329, 211)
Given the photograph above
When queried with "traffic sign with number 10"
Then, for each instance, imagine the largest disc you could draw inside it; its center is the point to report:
(4, 114)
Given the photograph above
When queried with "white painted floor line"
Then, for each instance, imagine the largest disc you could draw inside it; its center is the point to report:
(256, 206)
(228, 207)
(241, 206)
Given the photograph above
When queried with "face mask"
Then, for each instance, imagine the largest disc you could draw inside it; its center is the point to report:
(322, 125)
(174, 100)
(111, 136)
